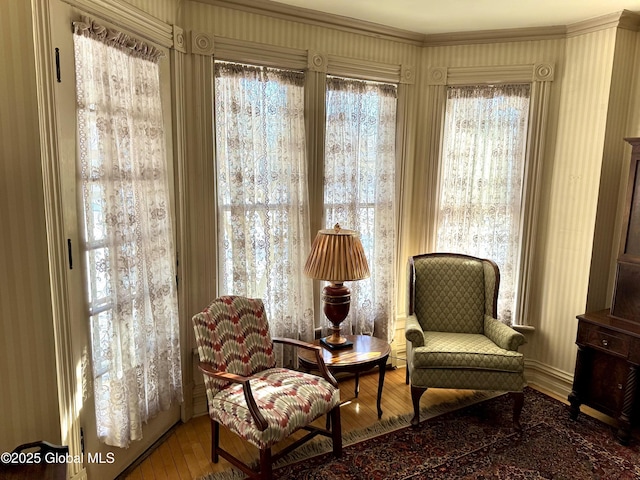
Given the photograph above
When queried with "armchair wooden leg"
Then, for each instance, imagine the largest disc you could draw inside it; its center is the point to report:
(266, 468)
(215, 440)
(416, 393)
(518, 402)
(336, 431)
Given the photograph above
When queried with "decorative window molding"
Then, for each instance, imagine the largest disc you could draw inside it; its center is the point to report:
(143, 24)
(407, 74)
(179, 40)
(317, 62)
(243, 51)
(490, 75)
(364, 69)
(437, 76)
(260, 54)
(540, 75)
(543, 72)
(202, 43)
(135, 47)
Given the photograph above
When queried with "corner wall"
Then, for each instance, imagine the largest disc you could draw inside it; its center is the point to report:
(582, 137)
(568, 216)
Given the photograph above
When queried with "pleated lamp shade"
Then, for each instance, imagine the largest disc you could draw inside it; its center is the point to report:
(337, 256)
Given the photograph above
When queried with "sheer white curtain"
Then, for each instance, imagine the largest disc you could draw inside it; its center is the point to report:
(359, 192)
(263, 209)
(482, 169)
(128, 238)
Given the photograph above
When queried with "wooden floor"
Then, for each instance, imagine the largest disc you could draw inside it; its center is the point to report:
(185, 453)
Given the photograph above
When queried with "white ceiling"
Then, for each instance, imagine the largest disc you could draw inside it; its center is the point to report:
(441, 16)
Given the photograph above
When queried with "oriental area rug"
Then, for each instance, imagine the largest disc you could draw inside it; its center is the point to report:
(478, 442)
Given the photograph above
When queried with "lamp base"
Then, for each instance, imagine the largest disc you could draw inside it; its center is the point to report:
(336, 298)
(335, 346)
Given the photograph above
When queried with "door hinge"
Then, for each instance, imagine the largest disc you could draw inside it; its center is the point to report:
(70, 254)
(58, 64)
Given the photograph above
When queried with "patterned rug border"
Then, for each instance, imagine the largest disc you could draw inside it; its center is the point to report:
(322, 445)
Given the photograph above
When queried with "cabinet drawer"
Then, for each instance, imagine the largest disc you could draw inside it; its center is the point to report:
(603, 339)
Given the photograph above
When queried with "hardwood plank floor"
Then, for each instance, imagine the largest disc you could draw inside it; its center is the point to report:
(185, 454)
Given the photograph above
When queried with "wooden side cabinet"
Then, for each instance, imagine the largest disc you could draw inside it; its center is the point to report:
(609, 341)
(606, 370)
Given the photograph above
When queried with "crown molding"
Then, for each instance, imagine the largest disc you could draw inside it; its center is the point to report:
(624, 19)
(629, 21)
(321, 19)
(495, 36)
(128, 16)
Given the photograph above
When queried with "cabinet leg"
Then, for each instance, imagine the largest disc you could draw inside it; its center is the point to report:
(574, 407)
(579, 382)
(624, 421)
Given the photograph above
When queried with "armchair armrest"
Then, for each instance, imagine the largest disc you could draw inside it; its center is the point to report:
(324, 371)
(503, 335)
(413, 331)
(209, 371)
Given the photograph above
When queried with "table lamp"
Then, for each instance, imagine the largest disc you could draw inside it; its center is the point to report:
(336, 256)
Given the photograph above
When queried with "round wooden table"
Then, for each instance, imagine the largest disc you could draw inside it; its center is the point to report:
(366, 353)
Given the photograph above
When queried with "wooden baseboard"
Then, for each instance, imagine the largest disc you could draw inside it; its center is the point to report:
(548, 378)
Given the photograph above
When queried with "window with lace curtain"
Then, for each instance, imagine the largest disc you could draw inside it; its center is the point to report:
(263, 210)
(481, 179)
(359, 191)
(263, 207)
(127, 232)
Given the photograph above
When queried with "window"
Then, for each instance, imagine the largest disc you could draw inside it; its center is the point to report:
(264, 215)
(127, 234)
(481, 182)
(263, 210)
(359, 191)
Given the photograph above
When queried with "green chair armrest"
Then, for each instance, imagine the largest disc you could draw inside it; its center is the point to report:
(413, 331)
(503, 335)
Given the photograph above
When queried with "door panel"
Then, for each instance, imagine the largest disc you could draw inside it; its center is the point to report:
(101, 461)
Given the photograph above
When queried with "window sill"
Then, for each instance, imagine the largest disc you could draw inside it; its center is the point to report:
(524, 328)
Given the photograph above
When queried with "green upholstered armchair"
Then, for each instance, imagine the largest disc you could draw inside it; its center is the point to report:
(453, 337)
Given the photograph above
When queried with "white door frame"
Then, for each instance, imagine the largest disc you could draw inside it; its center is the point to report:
(66, 365)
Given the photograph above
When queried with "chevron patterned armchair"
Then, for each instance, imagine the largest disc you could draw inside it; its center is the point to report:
(453, 337)
(249, 394)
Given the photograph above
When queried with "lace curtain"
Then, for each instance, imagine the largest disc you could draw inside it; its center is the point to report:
(481, 182)
(263, 210)
(128, 238)
(359, 192)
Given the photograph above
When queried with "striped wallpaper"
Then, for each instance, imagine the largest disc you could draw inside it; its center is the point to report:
(166, 10)
(259, 28)
(571, 192)
(595, 101)
(615, 164)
